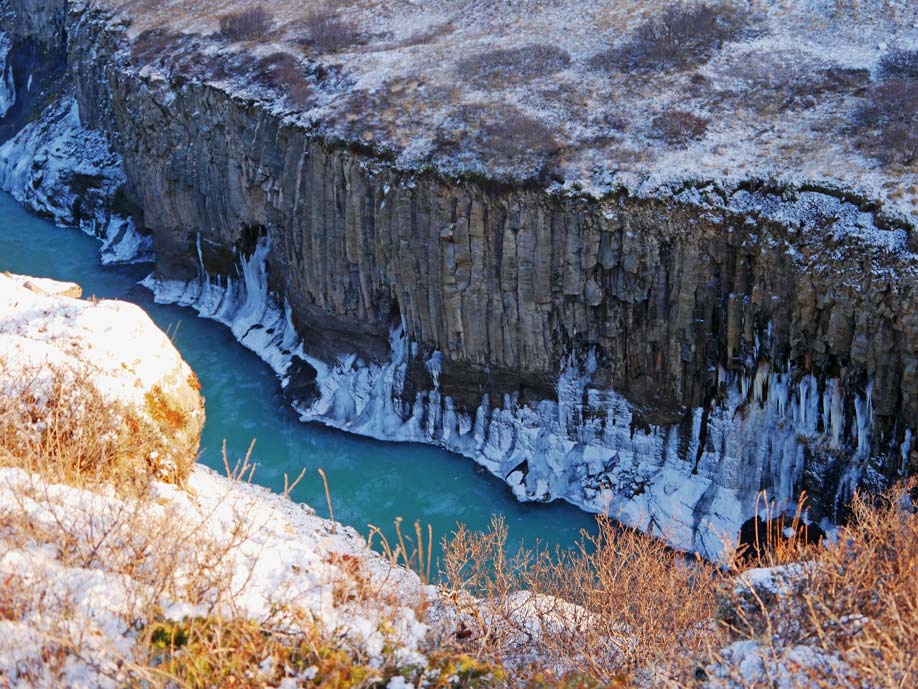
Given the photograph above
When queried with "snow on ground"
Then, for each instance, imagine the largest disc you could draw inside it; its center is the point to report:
(56, 349)
(286, 557)
(116, 343)
(422, 80)
(753, 663)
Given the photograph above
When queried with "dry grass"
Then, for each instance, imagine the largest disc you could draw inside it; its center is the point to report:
(855, 603)
(623, 610)
(146, 554)
(618, 604)
(167, 557)
(60, 427)
(248, 24)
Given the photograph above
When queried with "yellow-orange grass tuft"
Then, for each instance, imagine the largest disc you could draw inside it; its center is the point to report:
(57, 424)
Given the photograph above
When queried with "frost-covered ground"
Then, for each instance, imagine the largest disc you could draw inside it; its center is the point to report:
(286, 557)
(421, 80)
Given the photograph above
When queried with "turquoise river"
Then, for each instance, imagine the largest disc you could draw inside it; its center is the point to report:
(371, 482)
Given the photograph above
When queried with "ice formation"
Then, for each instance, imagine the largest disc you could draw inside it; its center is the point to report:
(38, 167)
(7, 87)
(694, 487)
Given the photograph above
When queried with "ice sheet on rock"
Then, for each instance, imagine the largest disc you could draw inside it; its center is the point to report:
(40, 164)
(242, 302)
(7, 87)
(583, 447)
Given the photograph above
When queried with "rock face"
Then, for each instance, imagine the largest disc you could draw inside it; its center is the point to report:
(665, 357)
(111, 346)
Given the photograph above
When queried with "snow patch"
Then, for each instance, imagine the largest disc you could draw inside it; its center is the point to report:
(116, 343)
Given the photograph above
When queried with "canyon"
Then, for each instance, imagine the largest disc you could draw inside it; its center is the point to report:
(659, 353)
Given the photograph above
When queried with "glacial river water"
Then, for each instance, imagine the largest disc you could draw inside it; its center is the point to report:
(371, 482)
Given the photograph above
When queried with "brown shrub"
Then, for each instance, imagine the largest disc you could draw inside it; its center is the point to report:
(500, 135)
(899, 64)
(328, 33)
(678, 128)
(772, 88)
(887, 123)
(619, 602)
(623, 610)
(855, 603)
(246, 25)
(678, 36)
(512, 64)
(284, 73)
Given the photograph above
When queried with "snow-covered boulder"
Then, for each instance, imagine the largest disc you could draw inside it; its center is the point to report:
(57, 347)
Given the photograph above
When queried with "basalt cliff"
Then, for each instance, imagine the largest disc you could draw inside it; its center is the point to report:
(664, 355)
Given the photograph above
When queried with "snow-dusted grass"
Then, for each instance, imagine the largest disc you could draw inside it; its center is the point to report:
(840, 615)
(414, 78)
(192, 585)
(92, 390)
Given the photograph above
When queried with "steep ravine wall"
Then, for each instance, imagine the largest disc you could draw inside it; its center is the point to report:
(665, 358)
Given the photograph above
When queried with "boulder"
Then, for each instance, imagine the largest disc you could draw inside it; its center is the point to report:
(54, 347)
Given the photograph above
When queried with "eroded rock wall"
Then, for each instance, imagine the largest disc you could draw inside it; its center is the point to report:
(749, 336)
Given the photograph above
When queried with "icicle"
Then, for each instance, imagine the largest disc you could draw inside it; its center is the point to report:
(905, 448)
(761, 377)
(7, 87)
(695, 442)
(836, 424)
(434, 365)
(781, 393)
(863, 410)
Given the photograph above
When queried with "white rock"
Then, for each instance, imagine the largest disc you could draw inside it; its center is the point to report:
(112, 346)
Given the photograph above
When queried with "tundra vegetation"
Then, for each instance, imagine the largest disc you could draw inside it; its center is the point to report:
(812, 92)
